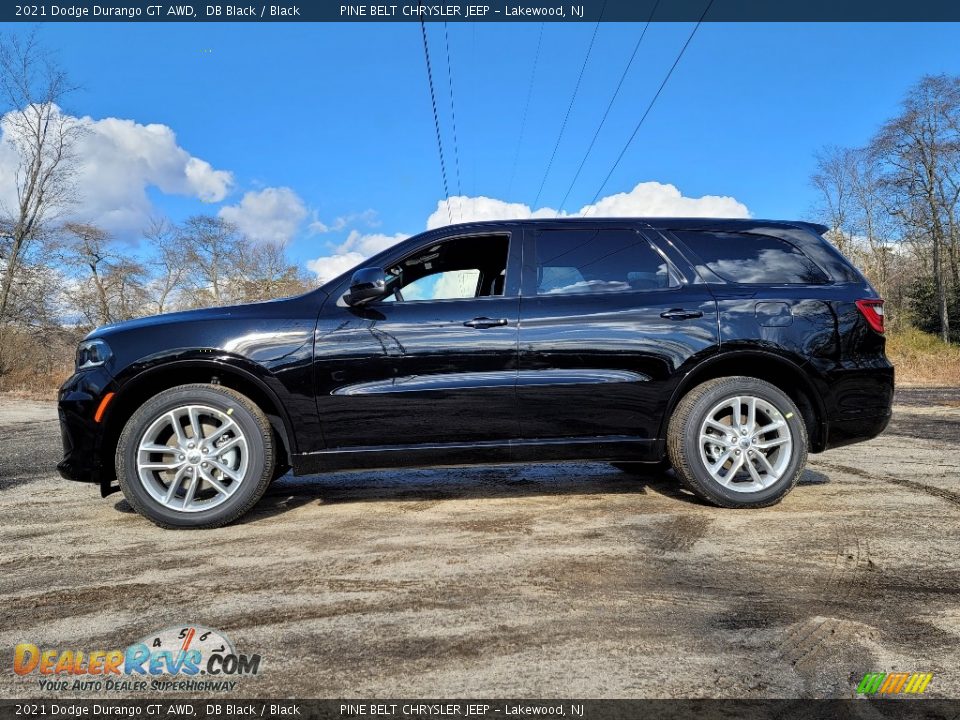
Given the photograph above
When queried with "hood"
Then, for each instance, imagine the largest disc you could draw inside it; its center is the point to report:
(187, 316)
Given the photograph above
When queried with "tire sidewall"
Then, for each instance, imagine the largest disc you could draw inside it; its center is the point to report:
(140, 421)
(787, 408)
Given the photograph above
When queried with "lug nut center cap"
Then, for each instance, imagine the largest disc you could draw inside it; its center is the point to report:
(194, 458)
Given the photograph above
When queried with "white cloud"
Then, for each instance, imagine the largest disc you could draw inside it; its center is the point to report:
(369, 244)
(117, 161)
(273, 214)
(352, 251)
(367, 217)
(327, 268)
(647, 199)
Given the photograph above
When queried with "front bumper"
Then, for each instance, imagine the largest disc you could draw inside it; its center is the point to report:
(78, 400)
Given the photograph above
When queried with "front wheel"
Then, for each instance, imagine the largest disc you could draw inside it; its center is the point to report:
(738, 442)
(195, 456)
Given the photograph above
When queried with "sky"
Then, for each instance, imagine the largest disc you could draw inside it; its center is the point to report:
(322, 135)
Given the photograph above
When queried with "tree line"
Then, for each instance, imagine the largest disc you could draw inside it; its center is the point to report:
(893, 206)
(60, 276)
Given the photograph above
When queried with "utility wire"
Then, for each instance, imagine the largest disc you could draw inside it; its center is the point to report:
(606, 112)
(436, 120)
(526, 106)
(453, 116)
(573, 99)
(650, 106)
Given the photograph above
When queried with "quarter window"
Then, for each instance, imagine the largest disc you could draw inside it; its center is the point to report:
(752, 259)
(596, 261)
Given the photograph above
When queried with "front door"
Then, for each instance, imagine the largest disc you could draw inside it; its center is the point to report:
(435, 362)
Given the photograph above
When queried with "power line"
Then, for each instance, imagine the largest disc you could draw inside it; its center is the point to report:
(453, 115)
(650, 106)
(573, 99)
(436, 120)
(526, 106)
(606, 112)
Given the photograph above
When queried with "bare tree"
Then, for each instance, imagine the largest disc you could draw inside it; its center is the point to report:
(264, 272)
(32, 86)
(211, 246)
(168, 264)
(918, 151)
(107, 287)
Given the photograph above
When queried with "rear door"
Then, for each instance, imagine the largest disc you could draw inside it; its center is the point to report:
(607, 326)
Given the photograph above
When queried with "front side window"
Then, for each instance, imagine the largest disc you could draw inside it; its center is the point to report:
(752, 259)
(597, 261)
(468, 267)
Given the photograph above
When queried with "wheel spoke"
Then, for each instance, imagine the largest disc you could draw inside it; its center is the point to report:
(751, 468)
(229, 472)
(775, 425)
(720, 440)
(716, 467)
(174, 484)
(767, 444)
(751, 414)
(735, 418)
(195, 424)
(160, 466)
(228, 445)
(227, 424)
(155, 448)
(192, 483)
(767, 466)
(215, 484)
(718, 426)
(177, 427)
(734, 469)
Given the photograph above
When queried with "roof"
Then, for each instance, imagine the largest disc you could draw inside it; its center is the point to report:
(662, 223)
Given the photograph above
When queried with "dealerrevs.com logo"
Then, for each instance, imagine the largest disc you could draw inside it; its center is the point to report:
(187, 658)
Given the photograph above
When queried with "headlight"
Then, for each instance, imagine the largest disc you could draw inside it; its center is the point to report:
(91, 353)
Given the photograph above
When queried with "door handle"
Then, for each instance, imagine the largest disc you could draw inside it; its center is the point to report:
(681, 314)
(485, 322)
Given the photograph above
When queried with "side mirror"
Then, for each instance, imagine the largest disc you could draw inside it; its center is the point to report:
(367, 284)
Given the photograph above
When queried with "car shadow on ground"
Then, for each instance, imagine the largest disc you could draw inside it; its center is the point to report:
(467, 483)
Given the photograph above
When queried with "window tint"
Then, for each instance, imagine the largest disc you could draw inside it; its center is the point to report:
(448, 285)
(743, 258)
(591, 261)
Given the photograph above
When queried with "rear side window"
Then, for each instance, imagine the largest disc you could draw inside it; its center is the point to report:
(751, 259)
(594, 261)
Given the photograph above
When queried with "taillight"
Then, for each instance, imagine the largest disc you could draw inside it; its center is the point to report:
(872, 311)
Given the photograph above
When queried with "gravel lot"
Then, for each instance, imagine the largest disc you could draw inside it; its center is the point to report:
(532, 581)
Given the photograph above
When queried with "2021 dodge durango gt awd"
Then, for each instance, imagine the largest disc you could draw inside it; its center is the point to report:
(727, 349)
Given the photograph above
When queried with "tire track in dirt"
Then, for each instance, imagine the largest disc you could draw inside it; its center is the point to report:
(949, 496)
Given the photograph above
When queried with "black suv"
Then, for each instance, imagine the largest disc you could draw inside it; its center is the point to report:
(726, 349)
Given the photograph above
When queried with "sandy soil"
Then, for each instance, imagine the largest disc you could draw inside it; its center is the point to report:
(533, 581)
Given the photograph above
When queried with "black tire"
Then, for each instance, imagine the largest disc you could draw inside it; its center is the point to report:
(250, 420)
(684, 451)
(644, 469)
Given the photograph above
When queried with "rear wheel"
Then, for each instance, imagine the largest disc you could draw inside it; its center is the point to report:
(738, 442)
(195, 456)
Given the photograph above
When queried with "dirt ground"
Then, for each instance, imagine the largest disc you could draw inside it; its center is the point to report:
(513, 581)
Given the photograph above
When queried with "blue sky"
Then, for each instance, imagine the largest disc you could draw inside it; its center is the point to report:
(340, 113)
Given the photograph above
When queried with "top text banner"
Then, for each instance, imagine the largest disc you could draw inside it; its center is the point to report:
(489, 11)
